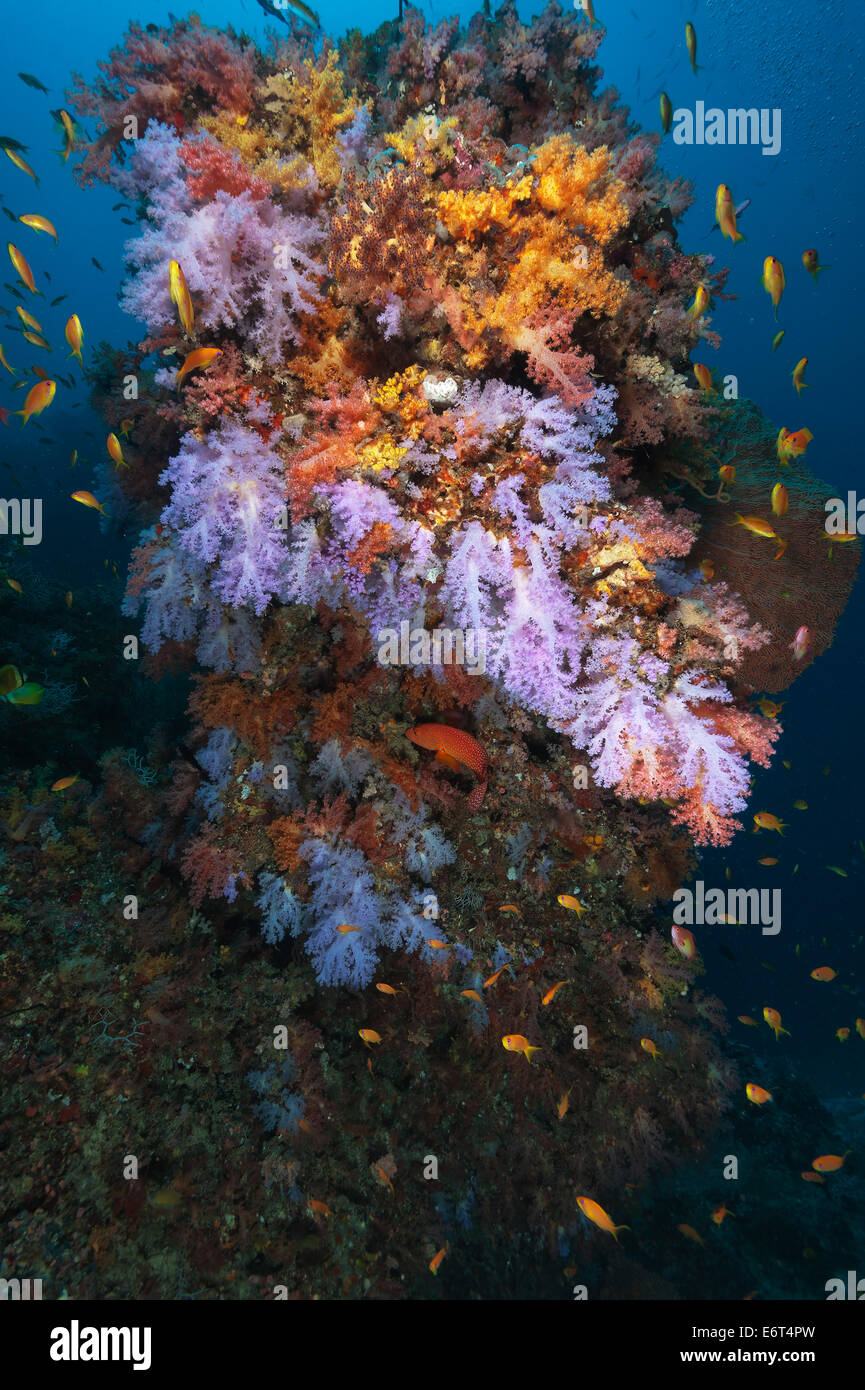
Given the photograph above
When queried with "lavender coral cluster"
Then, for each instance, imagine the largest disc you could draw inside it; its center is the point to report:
(447, 334)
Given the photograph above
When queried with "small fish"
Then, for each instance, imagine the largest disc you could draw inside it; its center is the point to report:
(571, 903)
(756, 1094)
(39, 397)
(773, 1018)
(34, 82)
(385, 989)
(748, 1021)
(318, 1208)
(552, 992)
(684, 942)
(13, 584)
(22, 267)
(758, 527)
(704, 376)
(344, 929)
(764, 820)
(471, 994)
(801, 643)
(727, 473)
(515, 1042)
(691, 45)
(68, 134)
(63, 782)
(450, 743)
(88, 500)
(7, 143)
(36, 339)
(491, 981)
(774, 282)
(127, 222)
(20, 163)
(780, 499)
(369, 1035)
(860, 1028)
(690, 1234)
(768, 863)
(776, 341)
(842, 1034)
(596, 1214)
(666, 113)
(812, 1177)
(833, 869)
(701, 302)
(59, 300)
(798, 373)
(720, 1212)
(29, 319)
(73, 458)
(68, 598)
(707, 569)
(437, 1258)
(180, 297)
(201, 357)
(824, 973)
(829, 1163)
(125, 427)
(118, 206)
(770, 708)
(562, 1107)
(436, 944)
(93, 261)
(38, 224)
(510, 907)
(725, 214)
(800, 805)
(74, 336)
(27, 694)
(809, 261)
(10, 215)
(648, 1045)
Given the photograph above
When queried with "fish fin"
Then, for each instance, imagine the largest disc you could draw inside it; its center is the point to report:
(449, 760)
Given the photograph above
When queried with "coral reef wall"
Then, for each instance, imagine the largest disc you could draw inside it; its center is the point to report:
(417, 359)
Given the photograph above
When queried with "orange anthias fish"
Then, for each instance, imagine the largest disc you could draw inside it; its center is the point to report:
(115, 452)
(825, 973)
(552, 992)
(773, 280)
(596, 1214)
(798, 373)
(75, 336)
(491, 981)
(702, 298)
(780, 499)
(437, 1259)
(318, 1208)
(180, 297)
(842, 1034)
(812, 1177)
(471, 994)
(809, 261)
(690, 1234)
(725, 213)
(562, 1107)
(748, 1021)
(720, 1212)
(38, 224)
(727, 473)
(684, 942)
(792, 443)
(756, 1094)
(758, 527)
(369, 1035)
(773, 1018)
(29, 319)
(24, 272)
(385, 989)
(648, 1045)
(201, 357)
(38, 398)
(88, 500)
(453, 746)
(764, 820)
(20, 163)
(571, 903)
(63, 782)
(830, 1163)
(515, 1042)
(704, 376)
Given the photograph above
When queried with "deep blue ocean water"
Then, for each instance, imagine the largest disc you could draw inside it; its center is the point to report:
(807, 62)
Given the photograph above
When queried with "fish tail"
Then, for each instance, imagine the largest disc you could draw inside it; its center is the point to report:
(615, 1231)
(476, 796)
(529, 1050)
(740, 520)
(781, 548)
